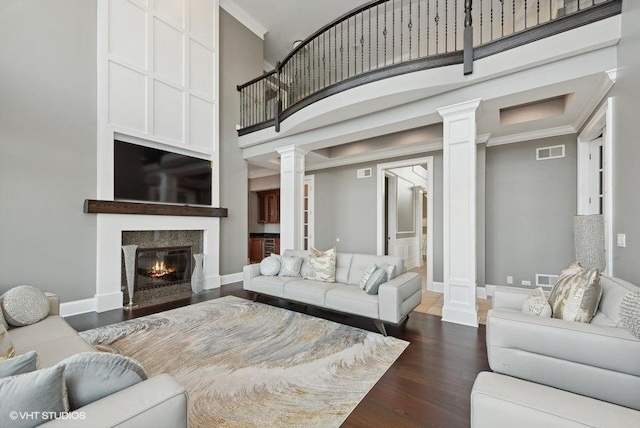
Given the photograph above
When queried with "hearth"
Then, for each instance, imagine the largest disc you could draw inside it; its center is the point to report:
(162, 267)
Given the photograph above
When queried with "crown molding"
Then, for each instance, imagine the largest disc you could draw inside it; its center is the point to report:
(244, 17)
(532, 135)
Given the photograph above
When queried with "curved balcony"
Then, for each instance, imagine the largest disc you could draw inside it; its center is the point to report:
(386, 38)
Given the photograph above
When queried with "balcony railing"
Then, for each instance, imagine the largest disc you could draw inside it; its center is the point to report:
(386, 38)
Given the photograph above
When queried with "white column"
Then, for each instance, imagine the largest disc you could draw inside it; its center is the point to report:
(459, 200)
(291, 197)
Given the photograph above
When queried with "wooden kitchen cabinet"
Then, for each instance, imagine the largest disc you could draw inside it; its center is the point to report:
(269, 206)
(255, 250)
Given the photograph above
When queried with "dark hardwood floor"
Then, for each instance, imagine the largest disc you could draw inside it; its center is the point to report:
(428, 386)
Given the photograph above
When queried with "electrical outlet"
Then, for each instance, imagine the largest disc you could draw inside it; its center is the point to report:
(509, 280)
(526, 282)
(622, 240)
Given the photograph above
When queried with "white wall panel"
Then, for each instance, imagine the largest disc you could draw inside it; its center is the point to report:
(201, 69)
(168, 52)
(201, 17)
(171, 11)
(168, 112)
(201, 124)
(127, 98)
(128, 32)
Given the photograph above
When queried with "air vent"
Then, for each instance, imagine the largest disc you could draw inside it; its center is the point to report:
(553, 152)
(545, 280)
(364, 173)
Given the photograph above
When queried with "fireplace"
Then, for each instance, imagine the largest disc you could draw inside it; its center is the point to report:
(162, 267)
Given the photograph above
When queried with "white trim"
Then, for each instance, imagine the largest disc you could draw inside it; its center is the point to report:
(491, 288)
(230, 278)
(310, 180)
(437, 287)
(77, 307)
(481, 293)
(380, 173)
(244, 17)
(532, 135)
(596, 98)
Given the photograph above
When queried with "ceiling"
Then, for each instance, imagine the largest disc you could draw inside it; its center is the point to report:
(289, 20)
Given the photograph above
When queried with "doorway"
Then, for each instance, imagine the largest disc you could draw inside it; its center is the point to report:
(404, 204)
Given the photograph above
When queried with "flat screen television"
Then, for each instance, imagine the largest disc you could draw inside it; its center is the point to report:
(151, 175)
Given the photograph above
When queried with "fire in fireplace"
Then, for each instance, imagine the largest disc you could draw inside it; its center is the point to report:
(161, 267)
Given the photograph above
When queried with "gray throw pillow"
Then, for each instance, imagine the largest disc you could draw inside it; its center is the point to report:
(3, 322)
(369, 270)
(41, 394)
(25, 305)
(270, 266)
(290, 266)
(91, 376)
(537, 304)
(630, 313)
(376, 279)
(20, 364)
(390, 269)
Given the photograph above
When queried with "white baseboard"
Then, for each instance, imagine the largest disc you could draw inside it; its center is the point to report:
(231, 278)
(437, 287)
(460, 316)
(108, 302)
(212, 282)
(481, 292)
(77, 307)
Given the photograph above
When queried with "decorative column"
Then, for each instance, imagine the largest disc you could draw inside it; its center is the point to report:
(291, 197)
(459, 177)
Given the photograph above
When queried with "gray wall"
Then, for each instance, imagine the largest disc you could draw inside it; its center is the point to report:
(626, 150)
(241, 59)
(346, 209)
(529, 210)
(48, 145)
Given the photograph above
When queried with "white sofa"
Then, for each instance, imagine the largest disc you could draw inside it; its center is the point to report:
(570, 374)
(158, 401)
(392, 304)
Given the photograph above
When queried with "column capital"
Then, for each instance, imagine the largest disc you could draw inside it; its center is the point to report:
(461, 108)
(292, 149)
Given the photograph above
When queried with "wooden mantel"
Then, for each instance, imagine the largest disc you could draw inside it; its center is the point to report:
(92, 206)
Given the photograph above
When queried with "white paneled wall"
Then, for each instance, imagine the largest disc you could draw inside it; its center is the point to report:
(159, 71)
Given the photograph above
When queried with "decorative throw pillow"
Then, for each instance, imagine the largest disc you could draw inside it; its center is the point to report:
(537, 304)
(19, 364)
(369, 270)
(378, 277)
(390, 269)
(630, 313)
(36, 393)
(91, 376)
(3, 322)
(25, 305)
(6, 345)
(576, 297)
(321, 266)
(270, 266)
(290, 266)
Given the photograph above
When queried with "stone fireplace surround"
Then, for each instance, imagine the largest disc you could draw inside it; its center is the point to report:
(189, 239)
(109, 260)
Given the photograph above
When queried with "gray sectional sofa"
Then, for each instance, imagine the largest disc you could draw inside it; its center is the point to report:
(569, 373)
(392, 304)
(156, 402)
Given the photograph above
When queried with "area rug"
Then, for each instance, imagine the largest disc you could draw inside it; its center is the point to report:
(250, 364)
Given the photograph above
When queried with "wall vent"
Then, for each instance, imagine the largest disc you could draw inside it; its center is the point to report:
(545, 280)
(552, 152)
(364, 173)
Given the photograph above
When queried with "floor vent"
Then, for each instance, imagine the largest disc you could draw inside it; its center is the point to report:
(545, 280)
(552, 152)
(364, 173)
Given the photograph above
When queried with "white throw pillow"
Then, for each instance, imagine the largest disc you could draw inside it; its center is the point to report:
(270, 266)
(321, 266)
(537, 304)
(25, 305)
(369, 270)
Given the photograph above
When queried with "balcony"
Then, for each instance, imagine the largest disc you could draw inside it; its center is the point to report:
(384, 39)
